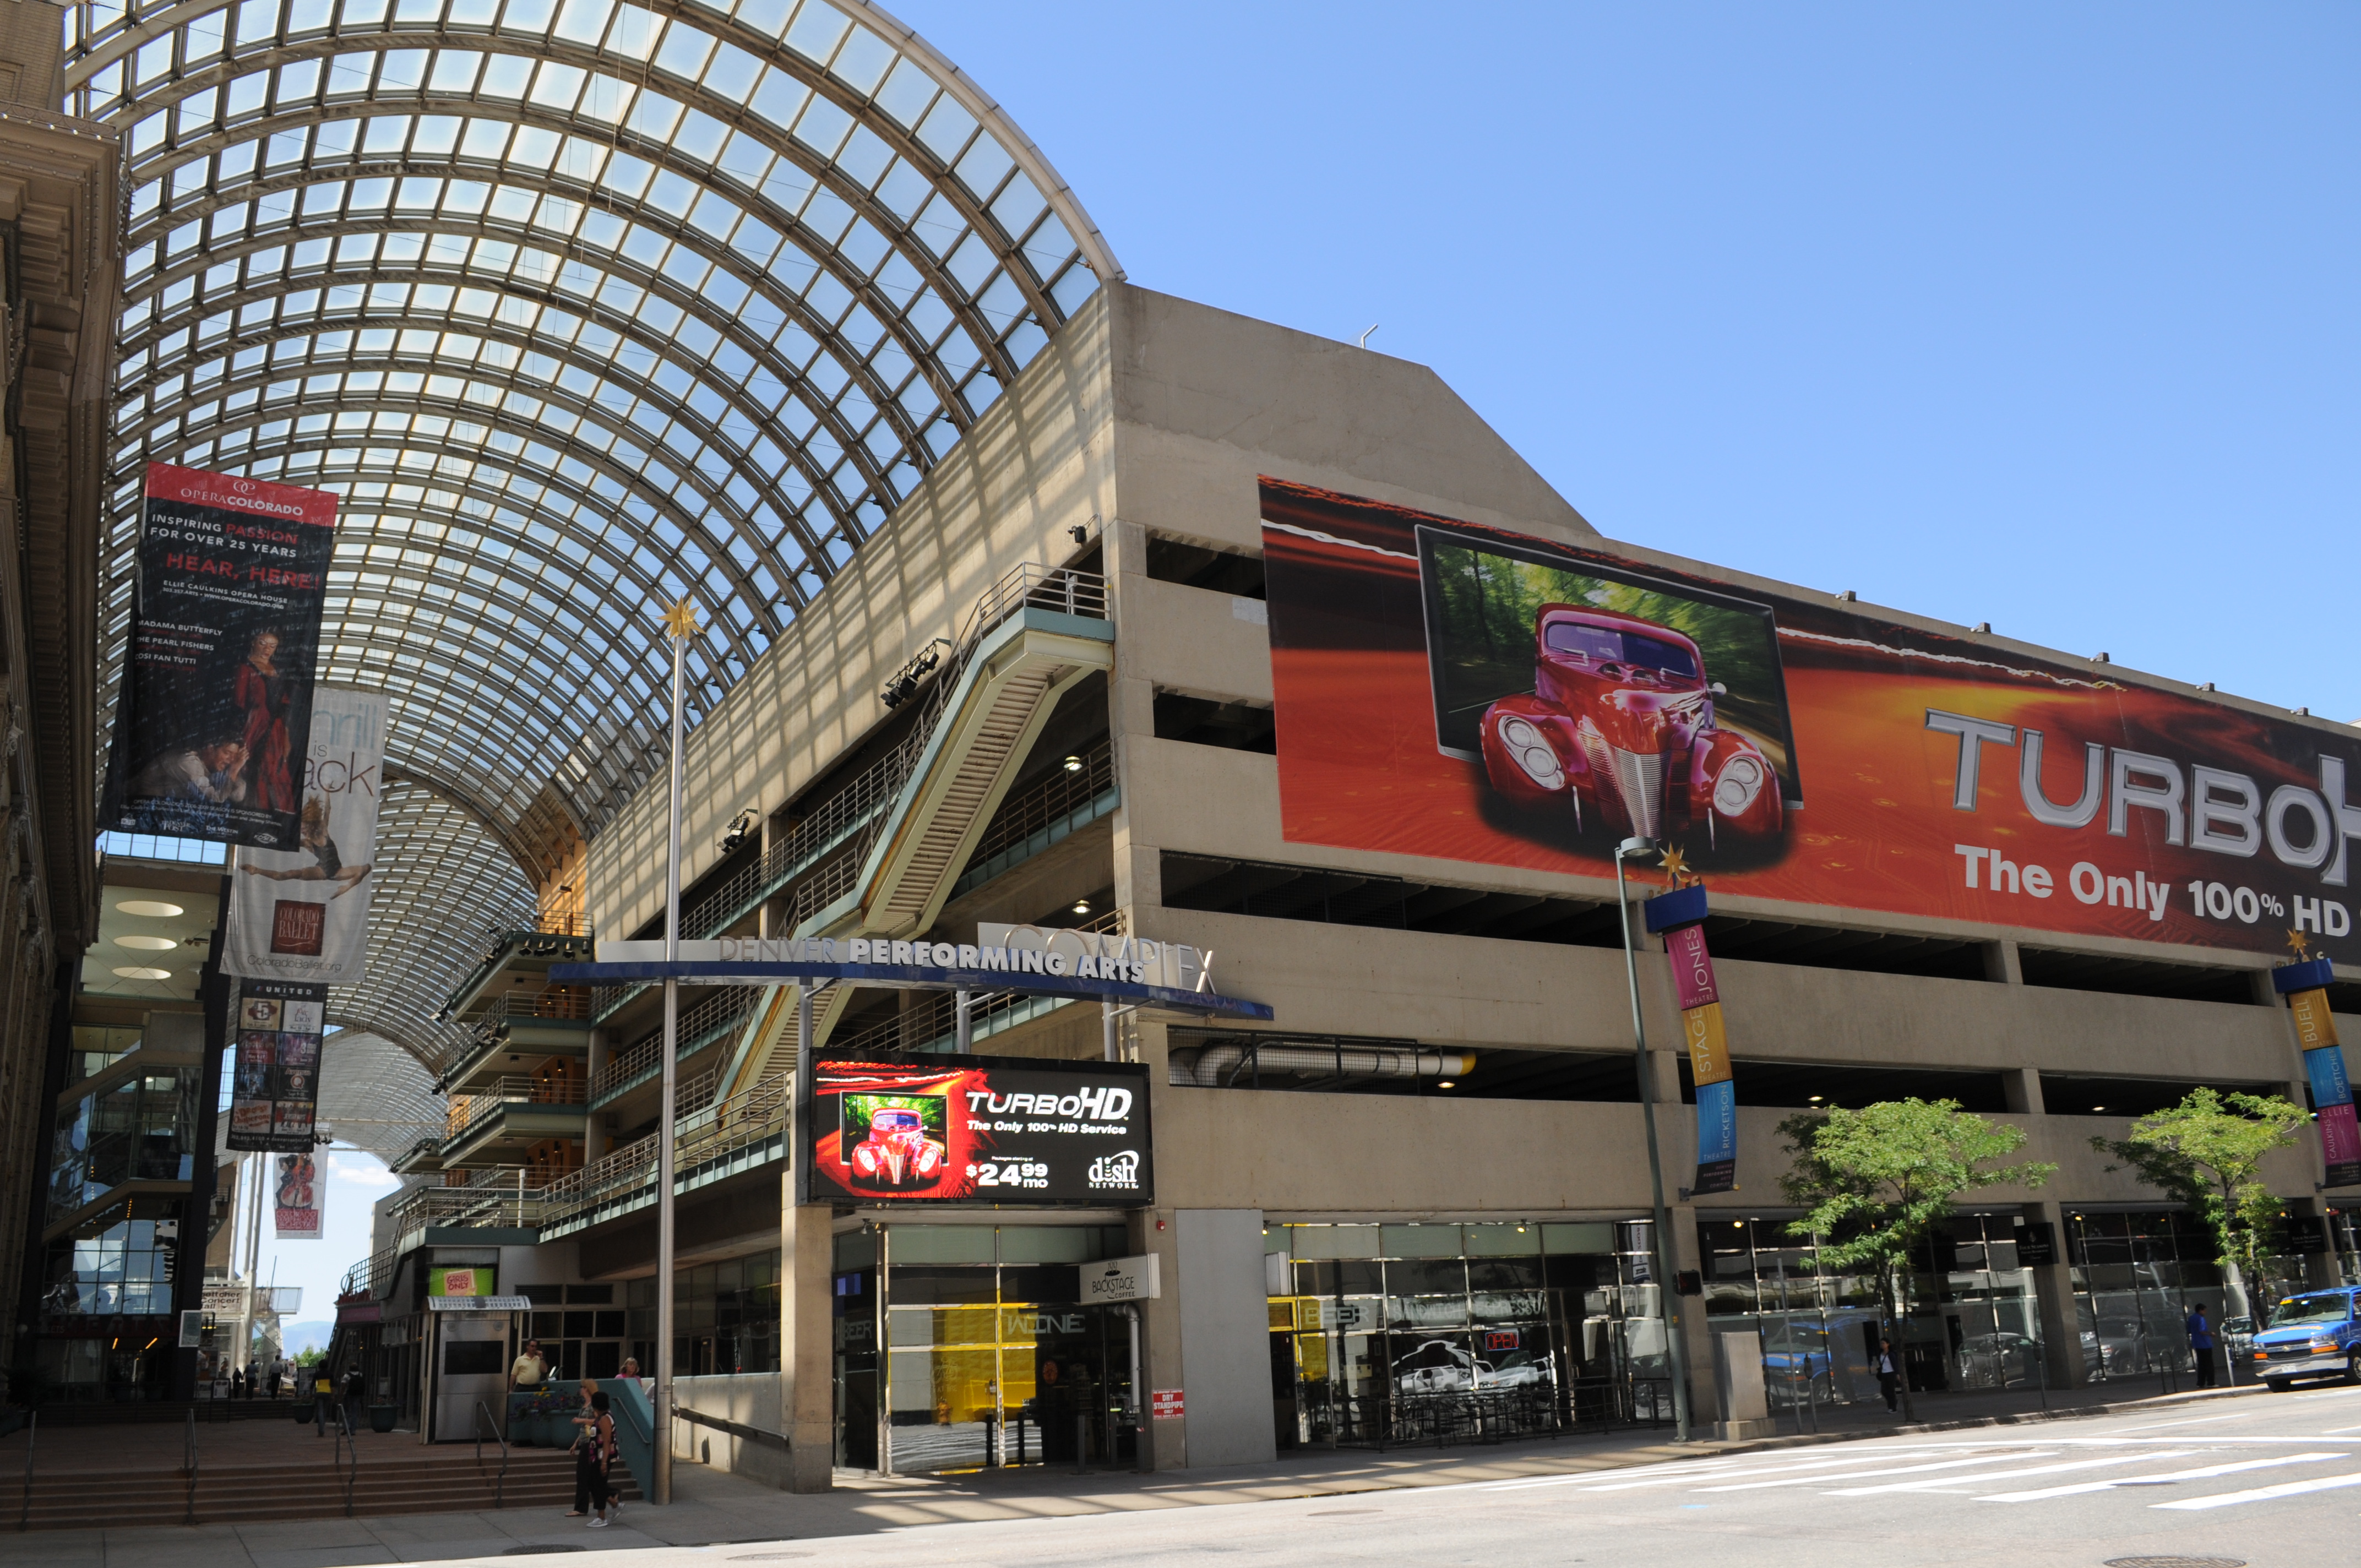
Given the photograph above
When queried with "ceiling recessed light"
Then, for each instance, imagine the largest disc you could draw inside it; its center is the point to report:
(1447, 1083)
(1074, 764)
(148, 944)
(156, 909)
(135, 974)
(1082, 906)
(1813, 1099)
(2096, 1109)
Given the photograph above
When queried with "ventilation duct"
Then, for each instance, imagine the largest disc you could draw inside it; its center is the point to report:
(1222, 1067)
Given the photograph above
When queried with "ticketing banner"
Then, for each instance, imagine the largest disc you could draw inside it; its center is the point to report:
(215, 701)
(275, 1074)
(1679, 918)
(1466, 693)
(2304, 984)
(301, 913)
(952, 1129)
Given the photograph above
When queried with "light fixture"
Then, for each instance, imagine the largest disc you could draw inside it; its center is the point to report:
(2096, 1109)
(1813, 1099)
(155, 908)
(1082, 906)
(1074, 764)
(136, 973)
(1447, 1083)
(148, 944)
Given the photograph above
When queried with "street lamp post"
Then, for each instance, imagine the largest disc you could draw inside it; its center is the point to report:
(680, 621)
(1667, 1282)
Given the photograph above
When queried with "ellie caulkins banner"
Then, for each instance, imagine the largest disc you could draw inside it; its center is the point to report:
(301, 913)
(1679, 918)
(979, 1130)
(216, 693)
(275, 1086)
(2305, 985)
(1463, 692)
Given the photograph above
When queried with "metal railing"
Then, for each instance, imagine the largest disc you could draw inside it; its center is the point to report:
(468, 1110)
(745, 1118)
(568, 1004)
(1443, 1419)
(372, 1276)
(507, 1204)
(501, 1483)
(347, 1447)
(932, 1024)
(711, 1015)
(1089, 775)
(189, 1458)
(32, 1431)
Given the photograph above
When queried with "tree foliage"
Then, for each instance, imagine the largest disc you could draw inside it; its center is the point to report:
(2208, 1152)
(1875, 1183)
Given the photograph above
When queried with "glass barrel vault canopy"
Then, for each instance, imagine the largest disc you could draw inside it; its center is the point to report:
(581, 306)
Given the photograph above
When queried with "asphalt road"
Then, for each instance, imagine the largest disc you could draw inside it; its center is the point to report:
(2274, 1481)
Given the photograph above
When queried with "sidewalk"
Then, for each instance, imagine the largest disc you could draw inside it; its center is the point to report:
(712, 1508)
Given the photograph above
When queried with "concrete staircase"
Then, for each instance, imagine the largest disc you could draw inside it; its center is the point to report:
(410, 1480)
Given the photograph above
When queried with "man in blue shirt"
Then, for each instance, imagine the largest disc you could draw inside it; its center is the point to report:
(2200, 1345)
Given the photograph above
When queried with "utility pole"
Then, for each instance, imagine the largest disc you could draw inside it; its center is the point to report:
(1667, 1281)
(680, 621)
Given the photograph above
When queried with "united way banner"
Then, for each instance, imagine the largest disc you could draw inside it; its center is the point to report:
(302, 914)
(1467, 693)
(216, 695)
(1679, 918)
(275, 1078)
(2305, 985)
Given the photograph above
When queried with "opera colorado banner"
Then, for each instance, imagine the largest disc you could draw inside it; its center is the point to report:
(216, 693)
(1460, 691)
(1679, 918)
(301, 913)
(296, 1196)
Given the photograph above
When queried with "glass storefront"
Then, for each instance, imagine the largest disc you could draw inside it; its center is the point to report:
(725, 1319)
(140, 1129)
(1385, 1334)
(107, 1329)
(2138, 1273)
(1971, 1318)
(989, 1358)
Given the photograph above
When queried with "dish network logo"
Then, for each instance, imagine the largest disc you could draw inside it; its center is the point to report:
(1116, 1170)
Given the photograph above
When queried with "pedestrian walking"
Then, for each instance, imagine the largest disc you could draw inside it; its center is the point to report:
(589, 1472)
(323, 1396)
(1889, 1374)
(2200, 1346)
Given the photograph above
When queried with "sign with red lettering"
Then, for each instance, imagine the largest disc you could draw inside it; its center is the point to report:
(1164, 1405)
(215, 700)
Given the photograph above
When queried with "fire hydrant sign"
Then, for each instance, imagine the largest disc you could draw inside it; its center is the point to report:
(980, 1130)
(1164, 1405)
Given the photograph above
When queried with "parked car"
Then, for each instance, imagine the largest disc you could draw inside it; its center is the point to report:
(1620, 724)
(1438, 1367)
(2315, 1334)
(1999, 1360)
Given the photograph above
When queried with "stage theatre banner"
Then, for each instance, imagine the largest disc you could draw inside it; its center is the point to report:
(216, 695)
(1679, 918)
(296, 1194)
(274, 1087)
(301, 913)
(2305, 985)
(1466, 693)
(939, 1129)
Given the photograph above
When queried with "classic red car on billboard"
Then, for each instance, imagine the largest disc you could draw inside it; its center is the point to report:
(1620, 728)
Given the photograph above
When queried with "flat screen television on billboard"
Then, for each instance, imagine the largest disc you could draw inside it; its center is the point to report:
(979, 1130)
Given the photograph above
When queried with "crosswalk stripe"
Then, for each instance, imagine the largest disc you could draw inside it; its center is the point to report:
(1623, 1476)
(1889, 1470)
(2203, 1473)
(1950, 1483)
(2265, 1493)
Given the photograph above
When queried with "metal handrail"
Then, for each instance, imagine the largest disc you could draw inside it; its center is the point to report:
(189, 1452)
(500, 1483)
(469, 1110)
(1057, 796)
(32, 1431)
(347, 1444)
(746, 1117)
(713, 1013)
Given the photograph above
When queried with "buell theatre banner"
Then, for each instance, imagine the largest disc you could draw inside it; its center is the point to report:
(1462, 692)
(216, 698)
(301, 913)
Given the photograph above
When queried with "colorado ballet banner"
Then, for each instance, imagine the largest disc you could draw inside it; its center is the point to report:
(1679, 918)
(1463, 692)
(301, 913)
(2305, 987)
(216, 699)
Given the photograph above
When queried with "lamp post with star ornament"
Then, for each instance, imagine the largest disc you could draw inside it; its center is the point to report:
(680, 623)
(1667, 1281)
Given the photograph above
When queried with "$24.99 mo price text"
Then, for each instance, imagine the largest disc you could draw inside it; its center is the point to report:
(1988, 870)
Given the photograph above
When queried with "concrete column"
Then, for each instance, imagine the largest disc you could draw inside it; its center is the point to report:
(2053, 1284)
(807, 1340)
(2023, 1087)
(1164, 1444)
(2003, 964)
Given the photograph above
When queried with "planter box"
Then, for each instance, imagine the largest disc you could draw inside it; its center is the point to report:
(382, 1416)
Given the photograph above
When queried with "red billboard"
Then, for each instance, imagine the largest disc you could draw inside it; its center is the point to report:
(1466, 693)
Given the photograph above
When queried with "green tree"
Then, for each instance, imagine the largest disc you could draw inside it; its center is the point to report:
(2208, 1152)
(1875, 1182)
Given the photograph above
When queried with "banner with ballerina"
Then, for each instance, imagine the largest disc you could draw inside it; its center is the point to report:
(215, 695)
(301, 914)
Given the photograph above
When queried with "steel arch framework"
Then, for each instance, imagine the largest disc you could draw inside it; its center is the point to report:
(580, 305)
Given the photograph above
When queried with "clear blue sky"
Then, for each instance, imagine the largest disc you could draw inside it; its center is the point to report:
(2040, 314)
